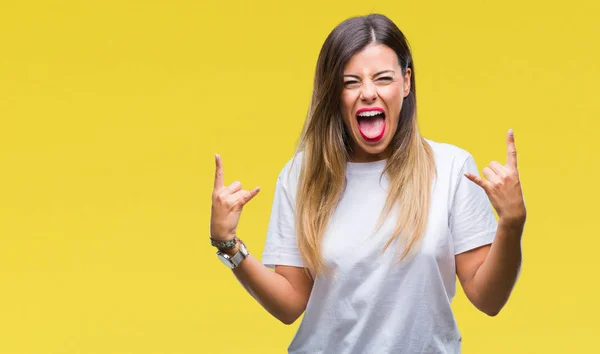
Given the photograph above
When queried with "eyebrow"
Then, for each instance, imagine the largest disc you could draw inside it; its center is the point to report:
(376, 74)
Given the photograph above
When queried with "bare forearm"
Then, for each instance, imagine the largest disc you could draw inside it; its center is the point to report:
(496, 277)
(273, 291)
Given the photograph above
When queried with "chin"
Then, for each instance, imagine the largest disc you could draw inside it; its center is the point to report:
(375, 150)
(378, 150)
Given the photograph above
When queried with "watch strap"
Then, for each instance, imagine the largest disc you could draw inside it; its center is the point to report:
(239, 256)
(237, 259)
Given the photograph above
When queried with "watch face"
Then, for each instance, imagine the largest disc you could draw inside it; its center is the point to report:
(225, 259)
(243, 249)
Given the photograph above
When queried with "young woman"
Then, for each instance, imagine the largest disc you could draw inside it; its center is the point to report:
(371, 222)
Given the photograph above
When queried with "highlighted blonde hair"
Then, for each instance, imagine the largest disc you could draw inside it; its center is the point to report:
(326, 150)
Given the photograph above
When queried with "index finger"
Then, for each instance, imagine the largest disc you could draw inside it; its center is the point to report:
(511, 155)
(218, 172)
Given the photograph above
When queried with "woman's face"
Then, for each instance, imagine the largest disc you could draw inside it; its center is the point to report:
(374, 89)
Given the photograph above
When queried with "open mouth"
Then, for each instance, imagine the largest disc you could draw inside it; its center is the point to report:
(371, 123)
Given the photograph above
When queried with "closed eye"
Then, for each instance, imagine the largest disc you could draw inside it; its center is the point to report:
(385, 79)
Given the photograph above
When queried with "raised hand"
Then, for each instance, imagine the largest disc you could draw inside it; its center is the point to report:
(227, 205)
(503, 186)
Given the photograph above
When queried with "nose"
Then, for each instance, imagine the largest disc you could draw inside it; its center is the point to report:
(368, 92)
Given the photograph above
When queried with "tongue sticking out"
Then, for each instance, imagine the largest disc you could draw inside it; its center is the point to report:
(372, 128)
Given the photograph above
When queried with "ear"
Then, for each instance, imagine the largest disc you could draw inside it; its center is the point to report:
(406, 82)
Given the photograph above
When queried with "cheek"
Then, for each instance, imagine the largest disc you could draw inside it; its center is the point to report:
(348, 101)
(393, 96)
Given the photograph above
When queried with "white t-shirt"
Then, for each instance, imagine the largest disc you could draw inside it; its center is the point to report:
(372, 304)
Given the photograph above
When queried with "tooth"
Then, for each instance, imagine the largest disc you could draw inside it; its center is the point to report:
(369, 113)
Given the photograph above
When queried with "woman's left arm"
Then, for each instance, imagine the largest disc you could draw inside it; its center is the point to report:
(489, 273)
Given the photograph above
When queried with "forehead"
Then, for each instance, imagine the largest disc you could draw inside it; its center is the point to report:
(372, 58)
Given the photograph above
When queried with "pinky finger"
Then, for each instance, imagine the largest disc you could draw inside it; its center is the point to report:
(242, 197)
(251, 194)
(477, 180)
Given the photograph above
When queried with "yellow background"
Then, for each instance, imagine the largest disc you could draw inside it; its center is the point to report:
(110, 112)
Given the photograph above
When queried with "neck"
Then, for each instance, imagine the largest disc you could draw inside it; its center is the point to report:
(362, 156)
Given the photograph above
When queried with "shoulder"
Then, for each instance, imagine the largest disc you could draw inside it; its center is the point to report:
(292, 167)
(451, 163)
(290, 174)
(449, 157)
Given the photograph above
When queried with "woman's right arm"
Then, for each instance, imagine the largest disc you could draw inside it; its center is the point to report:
(285, 292)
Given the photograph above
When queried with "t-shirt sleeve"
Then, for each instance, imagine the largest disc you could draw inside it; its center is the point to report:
(281, 246)
(472, 220)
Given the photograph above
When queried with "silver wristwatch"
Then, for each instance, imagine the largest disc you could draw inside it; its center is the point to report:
(233, 262)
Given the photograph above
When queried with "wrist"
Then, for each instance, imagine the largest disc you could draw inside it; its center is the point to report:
(224, 244)
(232, 257)
(231, 251)
(515, 224)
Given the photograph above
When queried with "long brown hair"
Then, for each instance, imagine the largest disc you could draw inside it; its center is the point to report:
(326, 150)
